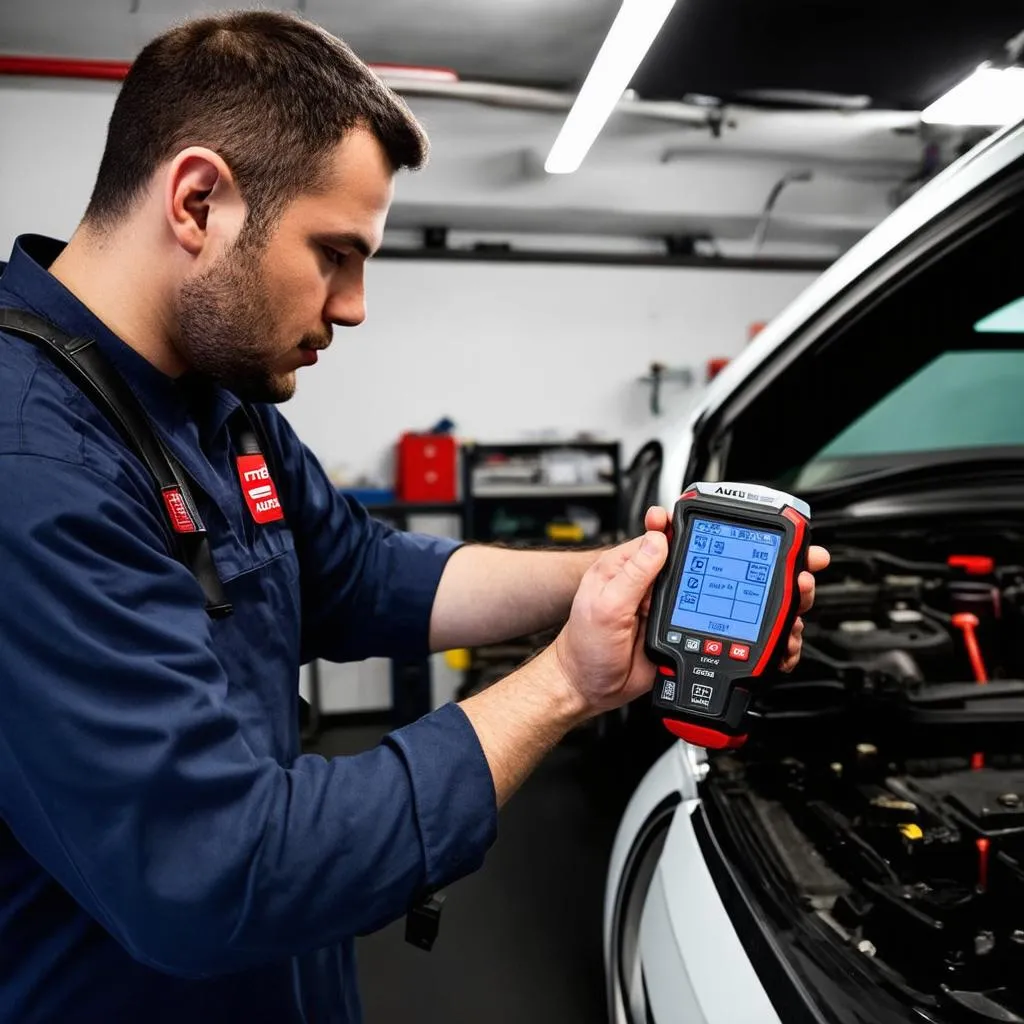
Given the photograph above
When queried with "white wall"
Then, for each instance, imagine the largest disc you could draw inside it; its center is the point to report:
(509, 350)
(506, 350)
(501, 348)
(53, 135)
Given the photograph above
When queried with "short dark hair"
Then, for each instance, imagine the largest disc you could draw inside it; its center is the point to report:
(272, 94)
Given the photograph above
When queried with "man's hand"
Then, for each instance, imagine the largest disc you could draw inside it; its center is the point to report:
(597, 662)
(817, 561)
(601, 648)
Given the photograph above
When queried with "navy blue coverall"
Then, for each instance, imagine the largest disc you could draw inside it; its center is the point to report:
(166, 851)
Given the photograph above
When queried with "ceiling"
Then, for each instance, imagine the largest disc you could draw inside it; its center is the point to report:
(899, 54)
(647, 175)
(522, 41)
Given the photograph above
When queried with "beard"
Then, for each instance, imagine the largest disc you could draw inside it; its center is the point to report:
(227, 329)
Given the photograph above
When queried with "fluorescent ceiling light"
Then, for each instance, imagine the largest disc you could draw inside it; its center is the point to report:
(989, 98)
(635, 27)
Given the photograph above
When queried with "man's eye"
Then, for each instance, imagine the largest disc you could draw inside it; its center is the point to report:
(335, 256)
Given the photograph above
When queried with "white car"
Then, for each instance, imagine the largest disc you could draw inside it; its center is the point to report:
(861, 858)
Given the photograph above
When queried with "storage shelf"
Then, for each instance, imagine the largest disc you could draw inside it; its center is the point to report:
(517, 513)
(416, 508)
(544, 491)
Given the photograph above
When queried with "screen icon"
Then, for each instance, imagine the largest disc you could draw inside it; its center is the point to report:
(673, 637)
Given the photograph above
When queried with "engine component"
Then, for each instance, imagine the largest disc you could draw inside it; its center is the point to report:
(990, 801)
(926, 861)
(866, 768)
(870, 602)
(929, 642)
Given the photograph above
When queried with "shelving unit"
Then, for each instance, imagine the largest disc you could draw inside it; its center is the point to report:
(510, 498)
(531, 491)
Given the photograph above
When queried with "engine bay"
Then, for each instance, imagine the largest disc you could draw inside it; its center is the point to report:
(883, 789)
(912, 619)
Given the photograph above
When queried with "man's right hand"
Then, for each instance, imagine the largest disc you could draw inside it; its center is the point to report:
(601, 648)
(596, 663)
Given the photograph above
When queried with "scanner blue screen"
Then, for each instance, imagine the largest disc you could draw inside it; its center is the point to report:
(726, 575)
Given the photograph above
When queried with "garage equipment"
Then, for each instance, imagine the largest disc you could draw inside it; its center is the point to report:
(723, 606)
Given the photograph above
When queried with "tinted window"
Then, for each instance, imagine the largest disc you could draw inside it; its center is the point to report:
(960, 400)
(918, 366)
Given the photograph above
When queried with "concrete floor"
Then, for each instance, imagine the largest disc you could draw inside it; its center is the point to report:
(521, 939)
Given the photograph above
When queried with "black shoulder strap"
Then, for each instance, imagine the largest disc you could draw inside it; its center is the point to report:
(251, 437)
(85, 365)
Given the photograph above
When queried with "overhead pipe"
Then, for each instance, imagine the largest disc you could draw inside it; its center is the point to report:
(518, 97)
(441, 83)
(761, 232)
(63, 67)
(115, 70)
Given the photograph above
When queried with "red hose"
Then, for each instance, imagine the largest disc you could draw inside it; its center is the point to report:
(983, 847)
(115, 70)
(968, 623)
(60, 67)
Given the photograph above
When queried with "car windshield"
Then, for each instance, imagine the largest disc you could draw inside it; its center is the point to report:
(961, 402)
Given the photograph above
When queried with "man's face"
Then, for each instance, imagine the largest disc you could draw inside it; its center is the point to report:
(268, 305)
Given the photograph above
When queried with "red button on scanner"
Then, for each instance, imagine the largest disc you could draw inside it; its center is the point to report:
(713, 647)
(739, 652)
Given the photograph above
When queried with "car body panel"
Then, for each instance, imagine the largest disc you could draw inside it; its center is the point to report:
(695, 967)
(676, 771)
(955, 183)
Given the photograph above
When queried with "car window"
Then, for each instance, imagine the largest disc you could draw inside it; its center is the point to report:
(1008, 319)
(922, 364)
(960, 400)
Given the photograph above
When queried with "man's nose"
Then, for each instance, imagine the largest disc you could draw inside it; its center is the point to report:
(346, 308)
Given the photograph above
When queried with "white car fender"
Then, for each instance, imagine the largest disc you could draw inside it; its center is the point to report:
(695, 967)
(678, 770)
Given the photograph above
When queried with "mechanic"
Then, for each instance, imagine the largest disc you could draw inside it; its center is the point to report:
(166, 851)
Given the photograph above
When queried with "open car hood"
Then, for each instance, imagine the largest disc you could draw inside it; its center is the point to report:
(701, 445)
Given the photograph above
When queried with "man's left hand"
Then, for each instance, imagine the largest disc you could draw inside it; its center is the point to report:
(817, 560)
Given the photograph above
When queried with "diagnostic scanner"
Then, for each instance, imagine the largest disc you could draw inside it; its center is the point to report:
(723, 606)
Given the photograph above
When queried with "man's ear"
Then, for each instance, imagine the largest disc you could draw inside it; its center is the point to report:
(201, 199)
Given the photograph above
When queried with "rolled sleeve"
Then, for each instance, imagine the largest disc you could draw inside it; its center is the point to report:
(386, 611)
(367, 589)
(453, 792)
